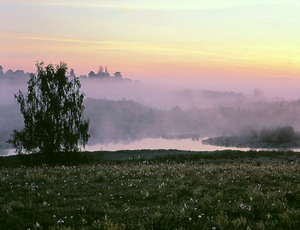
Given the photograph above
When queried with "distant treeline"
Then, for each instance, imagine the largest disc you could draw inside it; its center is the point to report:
(278, 137)
(125, 120)
(20, 74)
(14, 75)
(113, 121)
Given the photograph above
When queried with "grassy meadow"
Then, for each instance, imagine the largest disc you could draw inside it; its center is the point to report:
(156, 189)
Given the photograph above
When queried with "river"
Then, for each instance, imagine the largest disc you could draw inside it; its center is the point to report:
(154, 143)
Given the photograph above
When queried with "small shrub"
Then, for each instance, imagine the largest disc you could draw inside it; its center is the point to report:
(239, 223)
(222, 220)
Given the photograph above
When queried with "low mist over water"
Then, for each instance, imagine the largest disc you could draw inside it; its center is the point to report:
(126, 111)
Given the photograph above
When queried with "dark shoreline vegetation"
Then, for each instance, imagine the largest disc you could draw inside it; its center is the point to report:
(282, 137)
(159, 155)
(151, 189)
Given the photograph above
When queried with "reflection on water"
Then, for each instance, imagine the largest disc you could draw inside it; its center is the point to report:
(155, 143)
(160, 143)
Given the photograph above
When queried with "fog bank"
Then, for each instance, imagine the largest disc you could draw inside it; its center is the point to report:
(123, 110)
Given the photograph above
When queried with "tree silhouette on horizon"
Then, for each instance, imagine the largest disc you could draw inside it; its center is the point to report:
(53, 113)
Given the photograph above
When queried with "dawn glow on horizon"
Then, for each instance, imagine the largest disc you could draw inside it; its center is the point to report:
(159, 39)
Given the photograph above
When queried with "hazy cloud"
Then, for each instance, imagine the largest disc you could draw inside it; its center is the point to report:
(150, 4)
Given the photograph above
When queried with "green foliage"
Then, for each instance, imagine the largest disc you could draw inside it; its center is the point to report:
(152, 195)
(53, 113)
(119, 157)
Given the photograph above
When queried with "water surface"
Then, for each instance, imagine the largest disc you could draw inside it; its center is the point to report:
(161, 143)
(156, 143)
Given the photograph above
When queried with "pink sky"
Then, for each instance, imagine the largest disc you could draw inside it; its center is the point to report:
(155, 39)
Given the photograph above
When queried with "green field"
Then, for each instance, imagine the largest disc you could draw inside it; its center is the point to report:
(156, 189)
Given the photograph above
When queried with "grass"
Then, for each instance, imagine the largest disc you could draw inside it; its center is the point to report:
(151, 190)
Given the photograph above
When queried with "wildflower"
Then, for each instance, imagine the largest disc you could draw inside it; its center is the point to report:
(60, 221)
(242, 206)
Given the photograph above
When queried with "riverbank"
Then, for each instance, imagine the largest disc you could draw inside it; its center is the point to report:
(148, 155)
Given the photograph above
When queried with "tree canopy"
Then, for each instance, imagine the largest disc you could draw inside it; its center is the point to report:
(53, 113)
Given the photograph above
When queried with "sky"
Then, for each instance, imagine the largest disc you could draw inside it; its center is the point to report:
(159, 39)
